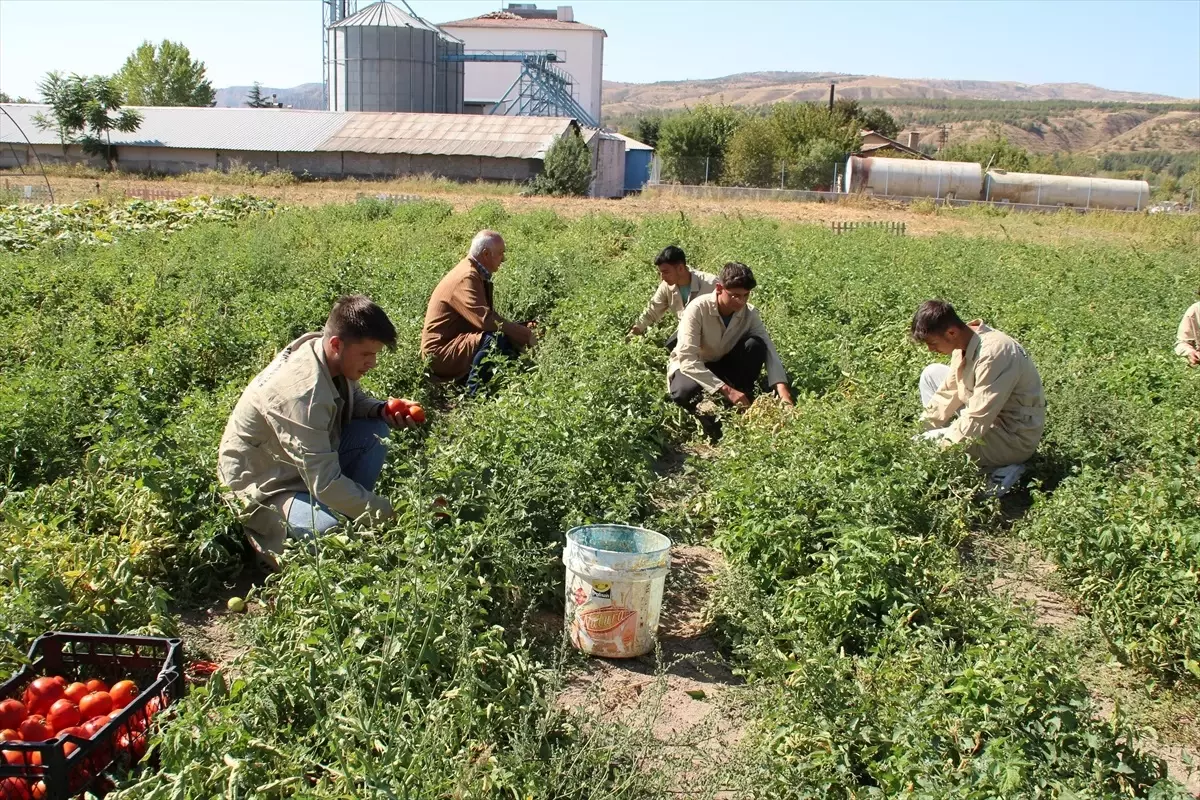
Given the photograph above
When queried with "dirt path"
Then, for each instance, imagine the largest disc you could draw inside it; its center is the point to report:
(210, 633)
(686, 698)
(1029, 580)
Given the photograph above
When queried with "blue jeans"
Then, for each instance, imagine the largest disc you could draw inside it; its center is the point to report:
(492, 345)
(361, 455)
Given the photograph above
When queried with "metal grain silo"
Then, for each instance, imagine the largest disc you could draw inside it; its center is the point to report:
(1065, 190)
(384, 59)
(910, 177)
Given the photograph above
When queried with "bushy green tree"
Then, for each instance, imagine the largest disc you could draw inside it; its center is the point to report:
(814, 164)
(6, 98)
(646, 129)
(691, 145)
(993, 152)
(752, 157)
(166, 75)
(568, 168)
(85, 111)
(880, 121)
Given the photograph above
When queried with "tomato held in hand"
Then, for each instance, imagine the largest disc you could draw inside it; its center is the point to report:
(417, 414)
(397, 407)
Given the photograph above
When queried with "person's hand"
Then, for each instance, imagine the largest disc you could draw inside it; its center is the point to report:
(785, 394)
(395, 413)
(1194, 358)
(734, 396)
(636, 330)
(934, 435)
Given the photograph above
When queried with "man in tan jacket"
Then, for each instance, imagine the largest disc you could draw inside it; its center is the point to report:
(990, 394)
(723, 346)
(462, 328)
(680, 285)
(303, 447)
(1187, 340)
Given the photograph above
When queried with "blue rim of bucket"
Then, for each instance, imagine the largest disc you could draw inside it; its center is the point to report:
(635, 528)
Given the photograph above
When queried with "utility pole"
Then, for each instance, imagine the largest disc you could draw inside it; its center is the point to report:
(831, 97)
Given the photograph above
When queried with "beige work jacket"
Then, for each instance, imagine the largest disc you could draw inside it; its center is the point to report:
(995, 384)
(667, 296)
(283, 438)
(703, 338)
(1187, 341)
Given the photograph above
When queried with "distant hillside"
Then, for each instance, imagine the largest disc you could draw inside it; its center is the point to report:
(306, 95)
(763, 88)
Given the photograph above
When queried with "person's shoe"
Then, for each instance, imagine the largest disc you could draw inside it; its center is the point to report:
(1003, 480)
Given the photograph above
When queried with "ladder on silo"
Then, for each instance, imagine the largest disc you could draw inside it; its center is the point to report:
(540, 90)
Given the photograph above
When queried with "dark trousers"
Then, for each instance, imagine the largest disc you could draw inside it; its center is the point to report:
(739, 368)
(671, 341)
(491, 347)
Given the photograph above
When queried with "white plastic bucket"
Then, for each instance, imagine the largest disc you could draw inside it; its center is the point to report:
(615, 577)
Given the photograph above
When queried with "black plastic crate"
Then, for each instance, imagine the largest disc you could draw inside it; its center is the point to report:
(45, 770)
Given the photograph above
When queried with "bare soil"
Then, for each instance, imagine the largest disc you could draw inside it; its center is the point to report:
(210, 633)
(685, 697)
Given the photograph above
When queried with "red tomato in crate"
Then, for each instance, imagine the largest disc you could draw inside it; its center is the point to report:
(76, 692)
(95, 704)
(35, 729)
(10, 734)
(12, 714)
(63, 714)
(123, 693)
(41, 694)
(71, 747)
(97, 685)
(16, 789)
(96, 724)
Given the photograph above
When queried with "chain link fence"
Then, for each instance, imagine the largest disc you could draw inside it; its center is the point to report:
(765, 174)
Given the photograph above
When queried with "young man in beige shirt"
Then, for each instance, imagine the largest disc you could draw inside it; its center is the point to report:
(680, 285)
(723, 346)
(1187, 340)
(990, 394)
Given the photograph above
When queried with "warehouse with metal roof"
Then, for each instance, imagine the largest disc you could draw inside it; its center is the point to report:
(321, 144)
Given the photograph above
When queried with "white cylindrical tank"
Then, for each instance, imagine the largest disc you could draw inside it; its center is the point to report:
(910, 177)
(1065, 190)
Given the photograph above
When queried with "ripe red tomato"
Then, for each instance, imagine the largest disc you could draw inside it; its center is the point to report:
(12, 712)
(76, 692)
(41, 694)
(97, 685)
(95, 704)
(123, 693)
(94, 725)
(417, 413)
(63, 714)
(17, 789)
(15, 758)
(396, 406)
(71, 747)
(35, 729)
(9, 735)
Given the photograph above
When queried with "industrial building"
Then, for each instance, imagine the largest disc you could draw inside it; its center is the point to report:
(578, 51)
(959, 180)
(322, 144)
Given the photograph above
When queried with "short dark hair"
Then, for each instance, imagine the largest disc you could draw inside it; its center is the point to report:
(355, 317)
(670, 255)
(736, 275)
(934, 317)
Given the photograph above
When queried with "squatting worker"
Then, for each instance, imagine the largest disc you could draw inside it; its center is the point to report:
(462, 327)
(1187, 341)
(303, 445)
(990, 393)
(723, 345)
(680, 285)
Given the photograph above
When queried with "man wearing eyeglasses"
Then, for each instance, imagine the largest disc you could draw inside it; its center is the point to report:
(723, 346)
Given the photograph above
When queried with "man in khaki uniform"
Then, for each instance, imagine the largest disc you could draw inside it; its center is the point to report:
(990, 394)
(1187, 341)
(303, 446)
(680, 285)
(723, 346)
(462, 327)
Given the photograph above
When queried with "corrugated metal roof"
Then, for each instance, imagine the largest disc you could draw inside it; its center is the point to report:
(448, 134)
(384, 14)
(288, 130)
(269, 129)
(519, 22)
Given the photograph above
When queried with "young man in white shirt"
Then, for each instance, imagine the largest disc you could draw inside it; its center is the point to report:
(680, 285)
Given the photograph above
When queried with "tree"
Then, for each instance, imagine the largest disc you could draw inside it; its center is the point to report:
(815, 163)
(567, 168)
(994, 152)
(5, 98)
(752, 157)
(85, 111)
(255, 98)
(645, 130)
(692, 145)
(880, 121)
(164, 76)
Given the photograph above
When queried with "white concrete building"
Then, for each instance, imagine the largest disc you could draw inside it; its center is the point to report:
(579, 47)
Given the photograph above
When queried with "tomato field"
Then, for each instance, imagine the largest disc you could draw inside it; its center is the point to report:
(403, 661)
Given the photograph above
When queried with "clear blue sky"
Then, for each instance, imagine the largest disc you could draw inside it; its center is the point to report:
(1139, 45)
